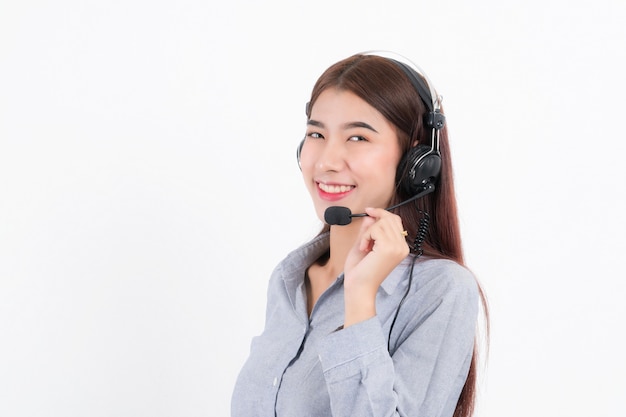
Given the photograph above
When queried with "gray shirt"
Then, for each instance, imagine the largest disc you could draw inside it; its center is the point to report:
(305, 365)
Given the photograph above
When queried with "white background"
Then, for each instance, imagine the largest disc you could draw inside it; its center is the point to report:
(148, 186)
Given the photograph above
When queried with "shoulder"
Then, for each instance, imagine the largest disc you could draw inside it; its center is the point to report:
(442, 303)
(444, 271)
(443, 279)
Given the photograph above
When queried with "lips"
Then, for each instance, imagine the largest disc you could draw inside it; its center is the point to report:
(333, 192)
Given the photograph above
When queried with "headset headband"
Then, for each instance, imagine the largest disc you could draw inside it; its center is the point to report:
(434, 118)
(424, 86)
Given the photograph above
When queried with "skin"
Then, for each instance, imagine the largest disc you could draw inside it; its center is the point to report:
(349, 159)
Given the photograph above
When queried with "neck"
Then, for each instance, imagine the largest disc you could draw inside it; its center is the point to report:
(342, 239)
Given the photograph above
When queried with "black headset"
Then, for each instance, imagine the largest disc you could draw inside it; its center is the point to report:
(421, 165)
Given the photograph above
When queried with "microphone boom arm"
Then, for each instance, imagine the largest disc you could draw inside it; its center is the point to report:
(342, 216)
(428, 188)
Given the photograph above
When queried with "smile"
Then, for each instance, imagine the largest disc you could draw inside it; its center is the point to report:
(335, 189)
(333, 192)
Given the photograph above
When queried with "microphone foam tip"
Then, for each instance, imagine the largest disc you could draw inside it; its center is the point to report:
(337, 215)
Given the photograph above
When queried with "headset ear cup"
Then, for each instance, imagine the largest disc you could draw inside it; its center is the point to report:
(419, 166)
(298, 152)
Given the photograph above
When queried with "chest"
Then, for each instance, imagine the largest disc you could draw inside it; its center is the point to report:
(316, 282)
(284, 363)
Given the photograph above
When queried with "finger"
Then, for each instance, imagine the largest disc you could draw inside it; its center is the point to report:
(377, 212)
(390, 222)
(365, 237)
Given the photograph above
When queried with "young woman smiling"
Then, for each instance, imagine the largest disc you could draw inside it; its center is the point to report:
(376, 317)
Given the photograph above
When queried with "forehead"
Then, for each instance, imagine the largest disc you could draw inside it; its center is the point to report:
(333, 103)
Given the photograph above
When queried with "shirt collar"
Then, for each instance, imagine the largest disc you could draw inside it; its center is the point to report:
(296, 263)
(299, 260)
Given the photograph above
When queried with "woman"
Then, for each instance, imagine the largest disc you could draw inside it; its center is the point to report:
(376, 316)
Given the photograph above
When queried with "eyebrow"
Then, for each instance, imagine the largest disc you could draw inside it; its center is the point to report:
(349, 125)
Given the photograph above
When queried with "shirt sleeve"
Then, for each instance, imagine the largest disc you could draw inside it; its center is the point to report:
(430, 359)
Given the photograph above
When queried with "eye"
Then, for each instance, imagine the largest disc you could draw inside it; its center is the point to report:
(357, 139)
(314, 135)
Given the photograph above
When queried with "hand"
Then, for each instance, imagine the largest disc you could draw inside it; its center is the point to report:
(380, 247)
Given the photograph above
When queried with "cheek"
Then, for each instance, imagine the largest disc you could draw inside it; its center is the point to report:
(306, 157)
(385, 176)
(390, 181)
(387, 167)
(306, 168)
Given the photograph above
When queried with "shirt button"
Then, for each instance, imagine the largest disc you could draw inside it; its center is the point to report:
(275, 381)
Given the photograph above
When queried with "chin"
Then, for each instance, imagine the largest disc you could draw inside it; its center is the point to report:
(320, 213)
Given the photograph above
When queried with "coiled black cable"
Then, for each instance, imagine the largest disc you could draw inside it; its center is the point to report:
(422, 232)
(420, 236)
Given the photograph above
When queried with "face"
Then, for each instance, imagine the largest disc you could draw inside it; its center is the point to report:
(350, 154)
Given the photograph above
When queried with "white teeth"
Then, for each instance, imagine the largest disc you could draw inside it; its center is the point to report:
(334, 189)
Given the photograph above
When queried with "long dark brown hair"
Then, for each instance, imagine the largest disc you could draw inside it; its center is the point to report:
(382, 84)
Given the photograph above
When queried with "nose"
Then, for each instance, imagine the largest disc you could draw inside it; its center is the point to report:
(332, 156)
